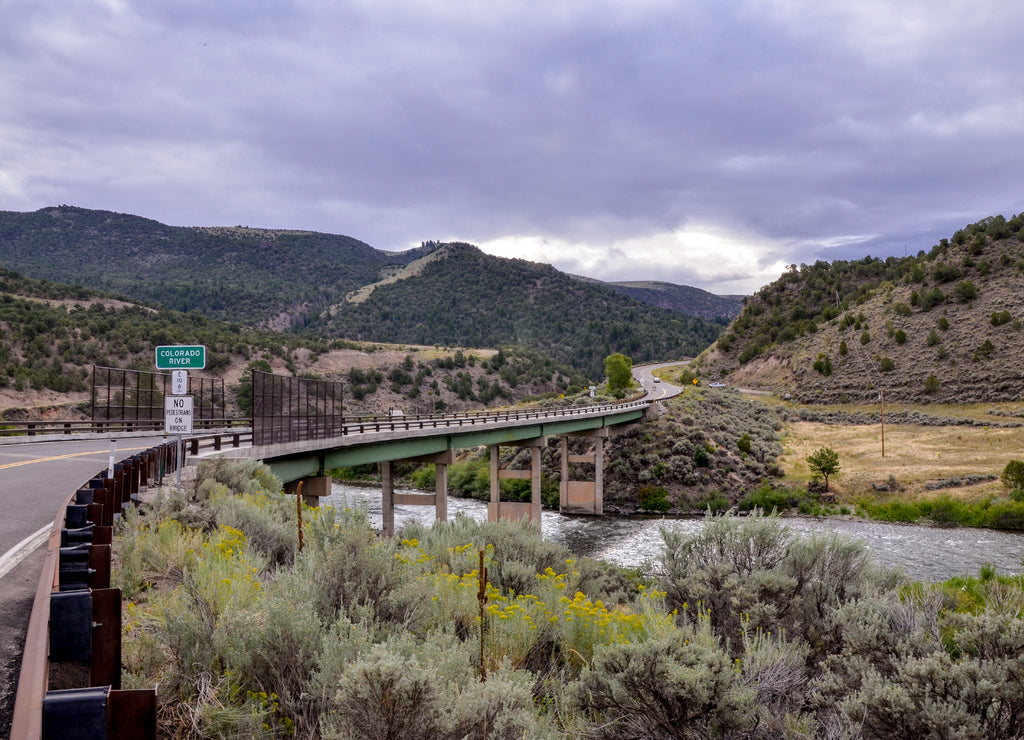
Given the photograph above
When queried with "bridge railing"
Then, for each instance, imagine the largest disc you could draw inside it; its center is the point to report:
(362, 425)
(78, 426)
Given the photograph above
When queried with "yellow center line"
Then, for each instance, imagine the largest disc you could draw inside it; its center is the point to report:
(65, 457)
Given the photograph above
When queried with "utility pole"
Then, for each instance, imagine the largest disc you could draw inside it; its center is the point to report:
(881, 400)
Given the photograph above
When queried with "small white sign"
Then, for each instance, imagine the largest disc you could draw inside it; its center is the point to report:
(177, 414)
(179, 382)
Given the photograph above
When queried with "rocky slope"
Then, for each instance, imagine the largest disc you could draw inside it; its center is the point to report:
(942, 326)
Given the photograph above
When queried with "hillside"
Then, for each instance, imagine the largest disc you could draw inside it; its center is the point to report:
(682, 298)
(253, 276)
(469, 297)
(942, 326)
(51, 335)
(342, 288)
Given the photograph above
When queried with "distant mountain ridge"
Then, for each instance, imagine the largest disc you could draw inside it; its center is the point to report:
(340, 287)
(682, 298)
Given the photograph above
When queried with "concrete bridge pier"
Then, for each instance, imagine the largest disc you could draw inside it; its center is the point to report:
(314, 487)
(438, 499)
(578, 496)
(515, 510)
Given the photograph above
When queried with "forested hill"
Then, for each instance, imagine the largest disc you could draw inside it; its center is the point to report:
(288, 279)
(253, 276)
(944, 325)
(469, 297)
(52, 335)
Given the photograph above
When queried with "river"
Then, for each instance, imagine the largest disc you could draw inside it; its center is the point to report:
(924, 553)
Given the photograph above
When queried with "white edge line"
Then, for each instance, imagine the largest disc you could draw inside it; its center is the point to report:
(19, 552)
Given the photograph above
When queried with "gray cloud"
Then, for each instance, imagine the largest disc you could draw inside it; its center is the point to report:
(702, 143)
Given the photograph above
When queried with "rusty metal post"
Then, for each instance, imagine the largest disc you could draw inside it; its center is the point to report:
(298, 509)
(481, 597)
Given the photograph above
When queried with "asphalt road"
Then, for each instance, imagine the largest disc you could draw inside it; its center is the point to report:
(35, 479)
(660, 390)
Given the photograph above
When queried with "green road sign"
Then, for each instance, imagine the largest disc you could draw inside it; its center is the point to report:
(181, 357)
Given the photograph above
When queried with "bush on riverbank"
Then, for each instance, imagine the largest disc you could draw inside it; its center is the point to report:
(742, 630)
(944, 510)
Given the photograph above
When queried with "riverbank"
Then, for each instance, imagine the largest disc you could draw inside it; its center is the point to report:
(940, 508)
(923, 553)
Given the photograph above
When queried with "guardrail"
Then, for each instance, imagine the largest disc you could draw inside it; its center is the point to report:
(470, 418)
(70, 683)
(351, 424)
(78, 426)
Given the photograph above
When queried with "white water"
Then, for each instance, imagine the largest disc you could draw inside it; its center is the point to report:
(924, 553)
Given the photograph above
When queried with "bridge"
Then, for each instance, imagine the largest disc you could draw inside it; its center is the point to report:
(76, 610)
(434, 440)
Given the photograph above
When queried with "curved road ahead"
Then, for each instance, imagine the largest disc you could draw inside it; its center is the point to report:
(658, 390)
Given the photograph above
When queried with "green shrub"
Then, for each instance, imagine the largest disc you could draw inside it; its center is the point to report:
(1013, 475)
(945, 510)
(679, 681)
(932, 298)
(715, 501)
(771, 634)
(1005, 515)
(964, 291)
(984, 351)
(653, 498)
(1000, 318)
(768, 498)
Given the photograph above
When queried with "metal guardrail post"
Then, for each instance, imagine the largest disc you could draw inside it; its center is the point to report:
(76, 618)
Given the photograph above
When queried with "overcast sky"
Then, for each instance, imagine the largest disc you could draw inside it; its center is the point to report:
(703, 143)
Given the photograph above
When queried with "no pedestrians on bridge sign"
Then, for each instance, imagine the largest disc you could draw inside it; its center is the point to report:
(178, 415)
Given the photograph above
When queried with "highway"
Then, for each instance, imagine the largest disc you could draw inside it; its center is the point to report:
(658, 391)
(36, 477)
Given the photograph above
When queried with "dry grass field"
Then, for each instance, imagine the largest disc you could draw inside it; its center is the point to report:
(914, 454)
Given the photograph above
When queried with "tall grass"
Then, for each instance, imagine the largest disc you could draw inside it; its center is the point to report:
(993, 513)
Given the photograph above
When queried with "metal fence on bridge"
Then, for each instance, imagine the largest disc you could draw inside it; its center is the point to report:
(138, 395)
(286, 409)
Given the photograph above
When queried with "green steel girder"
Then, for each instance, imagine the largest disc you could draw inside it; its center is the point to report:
(315, 462)
(398, 449)
(293, 468)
